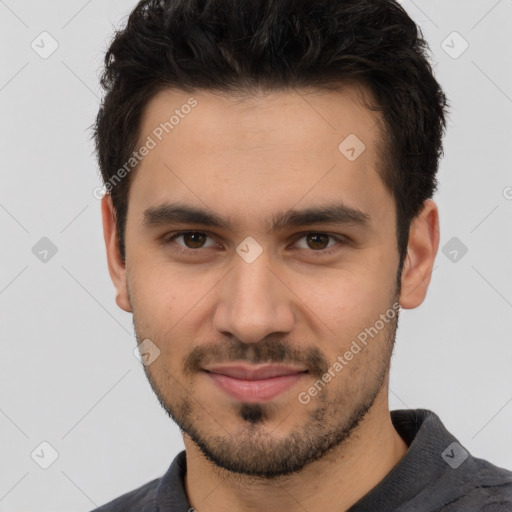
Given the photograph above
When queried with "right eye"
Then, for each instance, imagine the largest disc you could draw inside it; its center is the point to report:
(193, 240)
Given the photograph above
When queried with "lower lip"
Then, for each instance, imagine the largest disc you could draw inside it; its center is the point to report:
(255, 390)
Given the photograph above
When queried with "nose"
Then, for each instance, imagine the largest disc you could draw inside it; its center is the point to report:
(254, 302)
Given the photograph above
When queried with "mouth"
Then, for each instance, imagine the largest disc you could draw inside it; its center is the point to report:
(254, 383)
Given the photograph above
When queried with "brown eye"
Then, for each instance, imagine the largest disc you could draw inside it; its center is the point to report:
(192, 240)
(312, 242)
(317, 241)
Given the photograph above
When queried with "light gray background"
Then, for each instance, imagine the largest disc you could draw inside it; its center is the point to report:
(67, 372)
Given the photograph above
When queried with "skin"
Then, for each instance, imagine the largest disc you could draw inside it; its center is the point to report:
(249, 159)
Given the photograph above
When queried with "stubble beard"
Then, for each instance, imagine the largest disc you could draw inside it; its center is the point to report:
(251, 449)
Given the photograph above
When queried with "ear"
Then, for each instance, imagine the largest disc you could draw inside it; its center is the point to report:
(116, 266)
(421, 253)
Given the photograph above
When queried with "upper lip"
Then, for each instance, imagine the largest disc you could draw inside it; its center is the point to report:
(253, 372)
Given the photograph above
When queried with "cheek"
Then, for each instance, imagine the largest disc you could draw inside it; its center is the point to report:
(341, 306)
(160, 289)
(156, 303)
(343, 295)
(168, 304)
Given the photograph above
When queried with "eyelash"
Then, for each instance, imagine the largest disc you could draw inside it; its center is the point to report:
(341, 241)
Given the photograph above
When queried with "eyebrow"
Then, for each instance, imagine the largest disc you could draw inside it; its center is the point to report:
(178, 213)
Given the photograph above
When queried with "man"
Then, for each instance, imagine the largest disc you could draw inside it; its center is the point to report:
(269, 168)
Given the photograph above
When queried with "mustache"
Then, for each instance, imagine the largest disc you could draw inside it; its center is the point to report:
(266, 351)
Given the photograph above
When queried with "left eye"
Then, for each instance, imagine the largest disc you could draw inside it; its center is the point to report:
(316, 239)
(194, 240)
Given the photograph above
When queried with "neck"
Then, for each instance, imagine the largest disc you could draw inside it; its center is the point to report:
(333, 483)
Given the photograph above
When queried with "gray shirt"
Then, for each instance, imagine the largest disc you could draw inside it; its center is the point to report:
(436, 474)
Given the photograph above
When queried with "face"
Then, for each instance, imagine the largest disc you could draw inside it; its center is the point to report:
(259, 255)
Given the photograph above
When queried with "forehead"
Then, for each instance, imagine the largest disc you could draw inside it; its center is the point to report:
(265, 117)
(285, 146)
